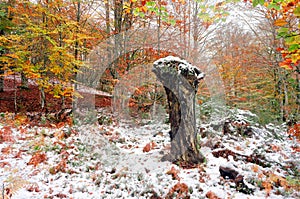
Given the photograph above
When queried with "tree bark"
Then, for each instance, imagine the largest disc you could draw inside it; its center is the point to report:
(180, 88)
(1, 80)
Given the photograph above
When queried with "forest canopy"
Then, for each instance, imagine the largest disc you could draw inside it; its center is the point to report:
(253, 44)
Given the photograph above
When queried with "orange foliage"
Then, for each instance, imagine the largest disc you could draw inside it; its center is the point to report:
(6, 134)
(269, 179)
(295, 131)
(37, 158)
(6, 150)
(181, 189)
(267, 186)
(174, 173)
(211, 195)
(255, 168)
(149, 147)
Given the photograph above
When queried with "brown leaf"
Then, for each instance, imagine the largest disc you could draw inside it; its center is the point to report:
(37, 158)
(181, 189)
(3, 164)
(268, 186)
(255, 168)
(147, 148)
(212, 195)
(7, 150)
(174, 172)
(6, 135)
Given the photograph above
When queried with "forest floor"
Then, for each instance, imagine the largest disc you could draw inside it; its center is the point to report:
(116, 158)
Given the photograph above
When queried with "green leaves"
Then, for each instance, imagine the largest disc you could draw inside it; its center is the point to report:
(274, 6)
(283, 32)
(297, 11)
(258, 2)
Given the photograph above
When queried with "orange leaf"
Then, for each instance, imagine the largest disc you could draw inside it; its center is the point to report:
(255, 168)
(147, 148)
(37, 158)
(6, 150)
(174, 172)
(3, 164)
(268, 187)
(280, 22)
(6, 135)
(275, 148)
(211, 195)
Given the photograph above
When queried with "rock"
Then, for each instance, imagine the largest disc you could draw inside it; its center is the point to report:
(228, 172)
(238, 179)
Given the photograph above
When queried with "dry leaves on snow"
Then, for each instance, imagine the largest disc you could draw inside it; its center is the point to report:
(37, 158)
(150, 146)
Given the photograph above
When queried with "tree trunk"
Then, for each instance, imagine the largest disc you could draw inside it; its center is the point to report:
(180, 86)
(1, 80)
(24, 81)
(1, 68)
(298, 88)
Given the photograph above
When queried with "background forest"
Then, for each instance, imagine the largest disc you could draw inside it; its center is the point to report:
(255, 49)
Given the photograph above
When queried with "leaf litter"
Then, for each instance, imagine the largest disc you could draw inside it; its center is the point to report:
(120, 160)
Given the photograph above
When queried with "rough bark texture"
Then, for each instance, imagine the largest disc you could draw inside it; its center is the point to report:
(1, 80)
(181, 87)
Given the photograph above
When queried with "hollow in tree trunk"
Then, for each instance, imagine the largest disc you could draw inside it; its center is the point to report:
(180, 80)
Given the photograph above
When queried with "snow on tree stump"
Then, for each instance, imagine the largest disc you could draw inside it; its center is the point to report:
(180, 80)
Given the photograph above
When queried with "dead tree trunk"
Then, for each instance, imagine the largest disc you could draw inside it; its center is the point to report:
(180, 80)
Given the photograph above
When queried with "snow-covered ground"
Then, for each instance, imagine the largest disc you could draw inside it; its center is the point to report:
(122, 160)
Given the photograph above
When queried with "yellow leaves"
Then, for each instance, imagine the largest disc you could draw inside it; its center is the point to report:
(295, 57)
(21, 119)
(143, 9)
(68, 91)
(13, 56)
(55, 69)
(127, 7)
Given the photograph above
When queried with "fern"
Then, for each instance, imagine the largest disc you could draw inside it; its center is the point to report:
(14, 184)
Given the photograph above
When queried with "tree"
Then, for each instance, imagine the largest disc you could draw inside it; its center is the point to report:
(5, 28)
(48, 44)
(237, 55)
(180, 80)
(284, 16)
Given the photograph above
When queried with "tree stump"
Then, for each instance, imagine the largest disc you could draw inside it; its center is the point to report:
(180, 80)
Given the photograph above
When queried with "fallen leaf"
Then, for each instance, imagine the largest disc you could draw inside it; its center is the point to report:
(174, 172)
(147, 148)
(255, 168)
(37, 158)
(211, 195)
